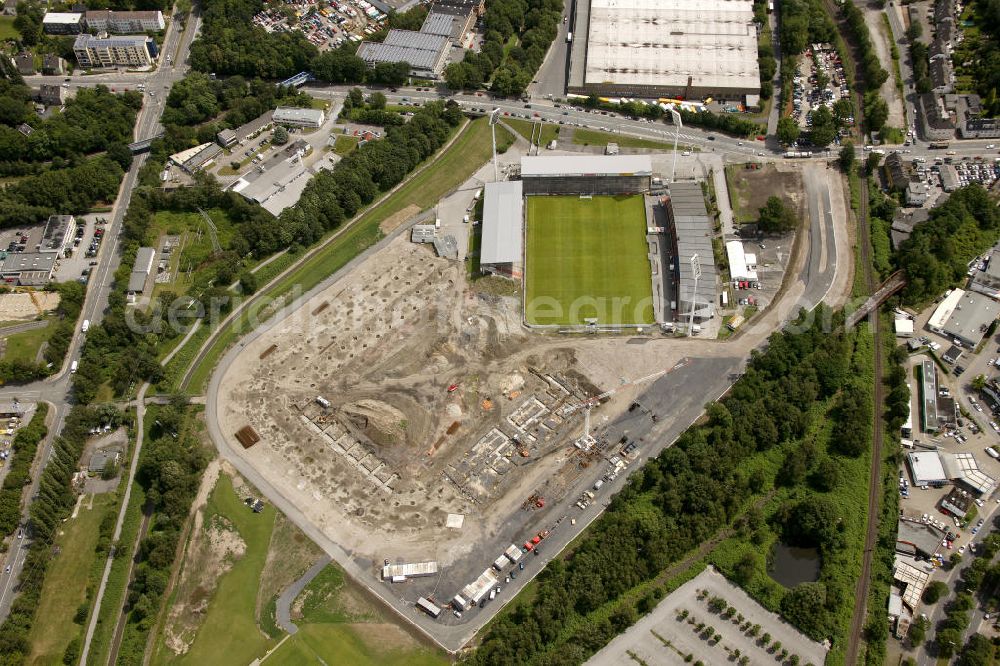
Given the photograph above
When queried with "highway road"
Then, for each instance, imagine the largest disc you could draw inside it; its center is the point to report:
(57, 390)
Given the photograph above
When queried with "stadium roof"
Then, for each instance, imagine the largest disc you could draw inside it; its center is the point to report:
(503, 223)
(586, 165)
(694, 236)
(664, 42)
(419, 49)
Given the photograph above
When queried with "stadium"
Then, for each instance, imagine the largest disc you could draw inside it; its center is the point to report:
(593, 248)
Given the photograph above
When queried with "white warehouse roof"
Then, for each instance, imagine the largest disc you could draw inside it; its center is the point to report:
(664, 42)
(739, 262)
(927, 468)
(295, 115)
(588, 165)
(409, 570)
(503, 223)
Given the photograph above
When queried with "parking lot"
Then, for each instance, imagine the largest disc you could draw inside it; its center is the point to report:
(820, 82)
(671, 633)
(84, 251)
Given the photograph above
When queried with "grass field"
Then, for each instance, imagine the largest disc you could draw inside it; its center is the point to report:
(586, 137)
(65, 587)
(196, 254)
(344, 144)
(7, 30)
(448, 169)
(24, 346)
(587, 258)
(549, 133)
(344, 644)
(228, 632)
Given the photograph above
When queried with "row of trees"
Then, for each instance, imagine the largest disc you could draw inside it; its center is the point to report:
(937, 253)
(52, 505)
(169, 472)
(19, 475)
(680, 499)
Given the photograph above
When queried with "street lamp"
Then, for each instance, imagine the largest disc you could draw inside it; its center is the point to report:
(494, 118)
(675, 116)
(696, 272)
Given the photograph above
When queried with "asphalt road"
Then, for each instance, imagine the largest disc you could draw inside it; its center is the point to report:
(57, 390)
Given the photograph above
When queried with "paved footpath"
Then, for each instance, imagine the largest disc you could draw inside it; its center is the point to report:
(283, 610)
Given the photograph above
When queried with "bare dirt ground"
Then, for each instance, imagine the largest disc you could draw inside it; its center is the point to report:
(391, 223)
(212, 551)
(754, 186)
(24, 306)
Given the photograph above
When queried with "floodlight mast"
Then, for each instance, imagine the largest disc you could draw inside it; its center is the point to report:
(675, 116)
(696, 272)
(494, 118)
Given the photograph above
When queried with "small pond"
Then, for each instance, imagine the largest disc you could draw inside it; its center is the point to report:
(791, 566)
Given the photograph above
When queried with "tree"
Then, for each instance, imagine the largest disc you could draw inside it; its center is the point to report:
(28, 22)
(915, 31)
(235, 165)
(871, 163)
(846, 158)
(280, 136)
(805, 607)
(934, 591)
(775, 217)
(917, 632)
(788, 131)
(977, 652)
(376, 101)
(823, 131)
(248, 282)
(979, 382)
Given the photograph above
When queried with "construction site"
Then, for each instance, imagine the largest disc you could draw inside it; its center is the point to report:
(408, 416)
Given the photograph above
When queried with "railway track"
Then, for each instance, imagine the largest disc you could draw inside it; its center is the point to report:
(875, 475)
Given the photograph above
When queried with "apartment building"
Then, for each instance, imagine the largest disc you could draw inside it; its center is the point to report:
(129, 51)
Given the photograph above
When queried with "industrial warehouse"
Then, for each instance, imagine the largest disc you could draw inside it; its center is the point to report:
(654, 48)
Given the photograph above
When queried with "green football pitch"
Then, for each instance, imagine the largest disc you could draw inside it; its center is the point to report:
(586, 258)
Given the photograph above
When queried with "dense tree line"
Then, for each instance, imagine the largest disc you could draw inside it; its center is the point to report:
(765, 53)
(52, 505)
(90, 122)
(169, 471)
(936, 255)
(230, 43)
(24, 447)
(682, 497)
(729, 123)
(801, 23)
(533, 24)
(920, 61)
(70, 190)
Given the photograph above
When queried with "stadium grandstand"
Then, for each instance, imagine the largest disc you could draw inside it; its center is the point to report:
(586, 174)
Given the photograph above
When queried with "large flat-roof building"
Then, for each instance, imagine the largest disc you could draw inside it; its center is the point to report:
(278, 182)
(927, 469)
(672, 48)
(62, 23)
(141, 269)
(29, 269)
(586, 174)
(297, 117)
(502, 247)
(93, 52)
(964, 316)
(424, 52)
(124, 23)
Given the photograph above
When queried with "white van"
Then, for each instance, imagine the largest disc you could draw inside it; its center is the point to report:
(73, 366)
(85, 326)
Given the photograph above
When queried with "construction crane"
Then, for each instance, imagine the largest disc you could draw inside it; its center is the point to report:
(586, 441)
